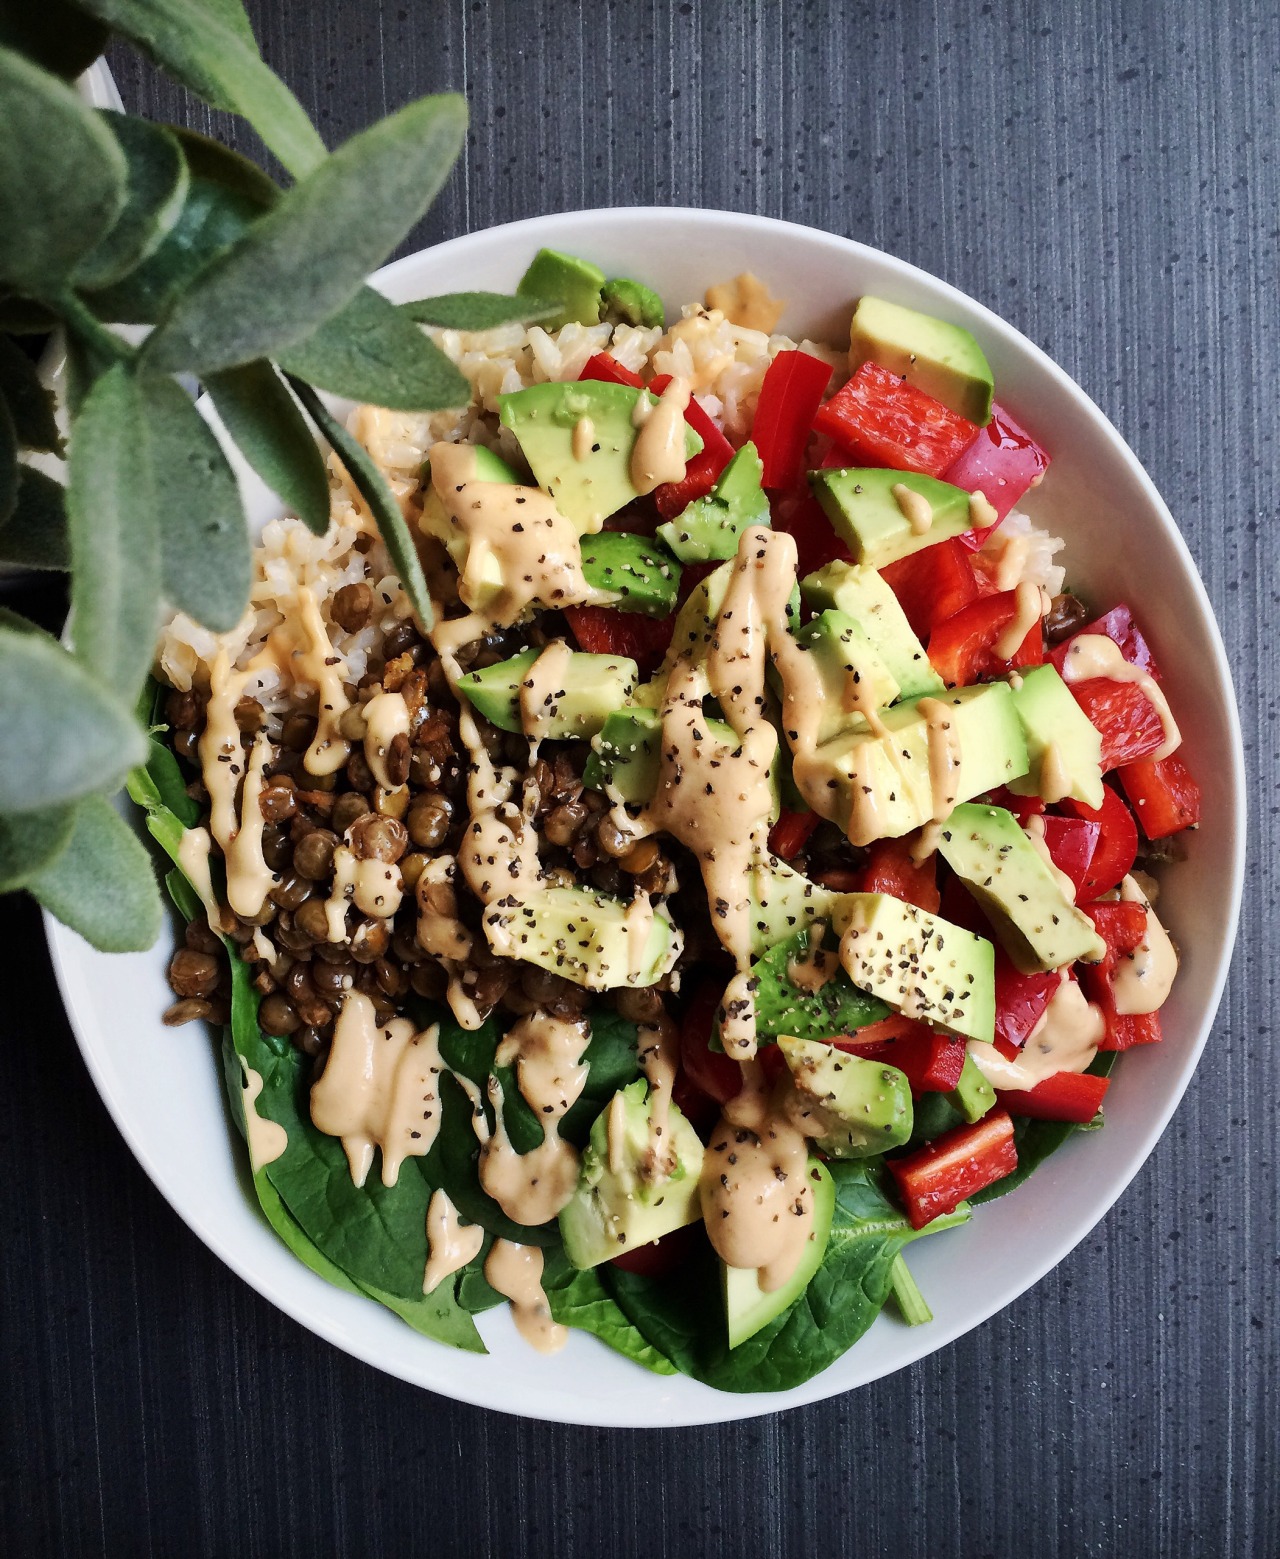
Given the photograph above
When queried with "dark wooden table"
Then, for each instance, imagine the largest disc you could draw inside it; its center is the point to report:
(1103, 175)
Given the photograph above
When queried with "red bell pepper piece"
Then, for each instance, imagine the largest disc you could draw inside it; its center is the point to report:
(603, 366)
(603, 631)
(792, 390)
(1163, 794)
(932, 1062)
(962, 646)
(1072, 842)
(802, 516)
(1126, 1030)
(882, 421)
(1126, 719)
(937, 1177)
(714, 1073)
(1001, 463)
(1022, 807)
(1117, 844)
(1066, 1096)
(703, 471)
(1020, 1001)
(1122, 927)
(790, 833)
(890, 868)
(1118, 626)
(932, 584)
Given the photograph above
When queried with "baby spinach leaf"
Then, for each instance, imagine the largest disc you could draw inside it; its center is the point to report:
(101, 884)
(31, 842)
(580, 1299)
(53, 34)
(839, 1007)
(62, 178)
(274, 437)
(159, 788)
(478, 310)
(309, 254)
(30, 403)
(155, 190)
(35, 534)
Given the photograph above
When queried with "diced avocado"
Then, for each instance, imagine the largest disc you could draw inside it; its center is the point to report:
(747, 1306)
(866, 596)
(896, 765)
(435, 522)
(570, 281)
(709, 528)
(869, 511)
(594, 686)
(939, 358)
(627, 302)
(1039, 926)
(691, 636)
(546, 418)
(631, 572)
(845, 660)
(613, 1210)
(587, 937)
(782, 902)
(921, 965)
(1057, 729)
(973, 1095)
(783, 1007)
(851, 1107)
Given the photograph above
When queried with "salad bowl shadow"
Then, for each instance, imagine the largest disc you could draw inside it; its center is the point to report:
(164, 1087)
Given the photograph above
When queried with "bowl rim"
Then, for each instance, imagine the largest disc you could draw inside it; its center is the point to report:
(708, 1406)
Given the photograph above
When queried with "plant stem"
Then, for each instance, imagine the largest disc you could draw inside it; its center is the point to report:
(89, 329)
(911, 1303)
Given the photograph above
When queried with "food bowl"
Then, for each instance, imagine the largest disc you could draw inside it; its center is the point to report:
(164, 1087)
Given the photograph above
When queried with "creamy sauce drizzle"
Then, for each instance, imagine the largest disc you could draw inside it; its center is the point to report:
(982, 514)
(1065, 1039)
(531, 1188)
(386, 717)
(249, 878)
(914, 507)
(1141, 980)
(657, 455)
(584, 435)
(1030, 606)
(1012, 549)
(193, 862)
(1055, 777)
(658, 1053)
(451, 1244)
(543, 688)
(1094, 655)
(816, 968)
(267, 1139)
(516, 1272)
(326, 671)
(1034, 830)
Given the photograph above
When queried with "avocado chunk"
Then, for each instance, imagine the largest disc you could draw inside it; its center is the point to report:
(1039, 926)
(1064, 748)
(548, 419)
(896, 765)
(845, 661)
(594, 686)
(627, 302)
(575, 284)
(691, 637)
(630, 572)
(748, 1307)
(920, 965)
(973, 1095)
(709, 528)
(850, 1106)
(866, 596)
(870, 511)
(783, 901)
(435, 522)
(941, 359)
(587, 937)
(613, 1210)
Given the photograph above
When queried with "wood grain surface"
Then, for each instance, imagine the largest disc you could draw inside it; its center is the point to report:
(1105, 176)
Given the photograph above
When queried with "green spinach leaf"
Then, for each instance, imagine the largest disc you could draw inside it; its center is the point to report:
(839, 1007)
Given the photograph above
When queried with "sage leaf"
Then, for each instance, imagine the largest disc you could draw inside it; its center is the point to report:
(53, 34)
(155, 190)
(30, 842)
(274, 437)
(64, 733)
(371, 486)
(101, 884)
(370, 351)
(9, 472)
(30, 403)
(115, 536)
(210, 49)
(309, 255)
(205, 557)
(478, 310)
(35, 534)
(62, 177)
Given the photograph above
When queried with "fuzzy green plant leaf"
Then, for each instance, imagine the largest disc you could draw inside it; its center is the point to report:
(210, 48)
(308, 256)
(205, 559)
(62, 177)
(115, 535)
(35, 534)
(274, 437)
(53, 34)
(155, 192)
(101, 884)
(478, 310)
(373, 488)
(30, 403)
(65, 735)
(31, 842)
(371, 351)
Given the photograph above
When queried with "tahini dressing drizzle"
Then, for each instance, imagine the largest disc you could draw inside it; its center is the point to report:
(1094, 655)
(1142, 979)
(451, 1244)
(1065, 1039)
(657, 455)
(516, 1272)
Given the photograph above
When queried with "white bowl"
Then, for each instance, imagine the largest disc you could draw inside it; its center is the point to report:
(163, 1086)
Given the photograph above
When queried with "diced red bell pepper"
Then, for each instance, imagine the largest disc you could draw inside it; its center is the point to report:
(890, 868)
(1001, 463)
(932, 584)
(962, 647)
(1020, 1001)
(932, 1062)
(1117, 844)
(1126, 1030)
(1066, 1096)
(790, 833)
(603, 366)
(714, 1073)
(881, 1034)
(1072, 843)
(883, 421)
(1121, 926)
(703, 471)
(792, 390)
(603, 631)
(1118, 626)
(937, 1177)
(802, 517)
(1122, 714)
(1022, 807)
(1163, 794)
